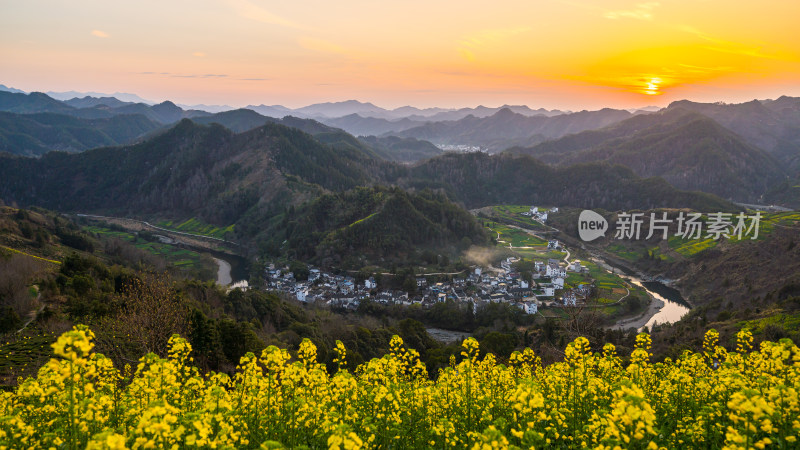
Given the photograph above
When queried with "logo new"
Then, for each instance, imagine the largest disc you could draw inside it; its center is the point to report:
(591, 225)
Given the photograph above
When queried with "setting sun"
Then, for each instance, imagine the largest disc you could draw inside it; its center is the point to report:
(564, 54)
(652, 87)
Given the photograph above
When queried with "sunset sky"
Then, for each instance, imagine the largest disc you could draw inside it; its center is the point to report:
(576, 54)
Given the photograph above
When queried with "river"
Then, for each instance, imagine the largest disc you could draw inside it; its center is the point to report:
(674, 305)
(667, 304)
(231, 271)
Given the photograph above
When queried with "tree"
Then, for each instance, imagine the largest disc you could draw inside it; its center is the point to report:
(410, 284)
(300, 270)
(151, 311)
(633, 303)
(500, 344)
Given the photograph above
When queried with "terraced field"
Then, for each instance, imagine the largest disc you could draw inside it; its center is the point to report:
(196, 226)
(180, 257)
(513, 213)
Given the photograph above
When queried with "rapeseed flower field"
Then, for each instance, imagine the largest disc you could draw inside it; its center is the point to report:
(718, 399)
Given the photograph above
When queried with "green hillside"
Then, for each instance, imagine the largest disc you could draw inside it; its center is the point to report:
(687, 149)
(36, 134)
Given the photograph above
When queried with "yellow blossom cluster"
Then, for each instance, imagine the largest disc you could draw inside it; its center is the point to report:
(715, 399)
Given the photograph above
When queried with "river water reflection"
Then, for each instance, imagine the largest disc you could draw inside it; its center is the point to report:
(674, 305)
(232, 271)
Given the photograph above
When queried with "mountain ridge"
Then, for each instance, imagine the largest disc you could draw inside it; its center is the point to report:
(506, 128)
(688, 149)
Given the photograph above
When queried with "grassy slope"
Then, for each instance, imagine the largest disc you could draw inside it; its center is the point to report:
(197, 226)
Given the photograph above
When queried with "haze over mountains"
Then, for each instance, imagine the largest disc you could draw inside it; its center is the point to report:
(506, 128)
(747, 152)
(688, 149)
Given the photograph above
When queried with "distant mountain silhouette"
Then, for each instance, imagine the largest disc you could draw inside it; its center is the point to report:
(688, 149)
(506, 128)
(368, 126)
(5, 88)
(35, 102)
(772, 125)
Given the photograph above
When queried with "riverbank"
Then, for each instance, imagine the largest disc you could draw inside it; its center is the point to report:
(447, 336)
(653, 308)
(223, 272)
(188, 239)
(660, 309)
(622, 267)
(232, 271)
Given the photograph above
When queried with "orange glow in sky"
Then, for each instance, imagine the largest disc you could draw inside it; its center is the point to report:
(571, 54)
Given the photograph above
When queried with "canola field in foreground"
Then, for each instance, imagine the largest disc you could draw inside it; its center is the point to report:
(742, 398)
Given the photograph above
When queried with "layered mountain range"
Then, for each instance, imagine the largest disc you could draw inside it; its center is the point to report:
(269, 182)
(686, 148)
(746, 152)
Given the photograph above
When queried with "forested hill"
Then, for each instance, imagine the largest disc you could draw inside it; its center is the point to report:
(477, 179)
(375, 223)
(265, 180)
(190, 170)
(686, 148)
(270, 182)
(37, 134)
(771, 125)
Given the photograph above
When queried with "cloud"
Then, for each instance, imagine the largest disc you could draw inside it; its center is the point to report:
(100, 34)
(179, 75)
(487, 37)
(642, 11)
(199, 54)
(738, 48)
(469, 45)
(471, 73)
(205, 75)
(321, 45)
(251, 11)
(704, 69)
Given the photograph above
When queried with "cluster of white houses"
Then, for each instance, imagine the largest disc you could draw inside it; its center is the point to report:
(547, 286)
(539, 214)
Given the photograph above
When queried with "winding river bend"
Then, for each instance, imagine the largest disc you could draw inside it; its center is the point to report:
(667, 304)
(674, 308)
(232, 270)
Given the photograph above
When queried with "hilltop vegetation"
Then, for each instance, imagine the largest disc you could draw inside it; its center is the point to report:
(35, 102)
(190, 169)
(37, 134)
(253, 179)
(687, 149)
(478, 180)
(377, 223)
(394, 148)
(771, 125)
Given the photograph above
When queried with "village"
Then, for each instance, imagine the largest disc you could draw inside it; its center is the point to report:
(481, 285)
